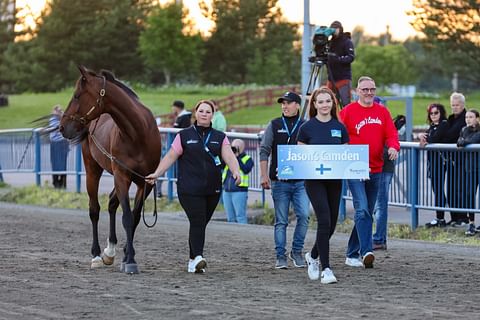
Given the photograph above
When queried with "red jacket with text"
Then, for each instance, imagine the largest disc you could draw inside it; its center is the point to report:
(373, 126)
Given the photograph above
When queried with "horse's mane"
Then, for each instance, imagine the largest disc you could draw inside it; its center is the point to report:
(111, 78)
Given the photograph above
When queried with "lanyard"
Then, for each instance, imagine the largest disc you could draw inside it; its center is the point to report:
(205, 142)
(205, 147)
(286, 128)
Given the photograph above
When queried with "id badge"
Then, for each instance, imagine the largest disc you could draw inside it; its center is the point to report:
(217, 161)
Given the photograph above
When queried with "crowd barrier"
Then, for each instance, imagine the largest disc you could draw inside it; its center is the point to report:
(27, 151)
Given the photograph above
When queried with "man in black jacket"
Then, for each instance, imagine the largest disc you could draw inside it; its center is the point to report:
(183, 118)
(456, 193)
(340, 57)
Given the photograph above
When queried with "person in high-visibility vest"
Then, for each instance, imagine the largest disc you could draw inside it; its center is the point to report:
(235, 196)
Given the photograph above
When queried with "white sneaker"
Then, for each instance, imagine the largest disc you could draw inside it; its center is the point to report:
(328, 276)
(313, 270)
(353, 262)
(197, 265)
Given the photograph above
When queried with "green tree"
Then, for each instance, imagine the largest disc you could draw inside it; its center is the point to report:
(388, 64)
(167, 48)
(249, 39)
(275, 60)
(451, 29)
(101, 34)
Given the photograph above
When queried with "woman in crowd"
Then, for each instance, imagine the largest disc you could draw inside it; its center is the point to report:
(470, 134)
(436, 162)
(323, 128)
(198, 150)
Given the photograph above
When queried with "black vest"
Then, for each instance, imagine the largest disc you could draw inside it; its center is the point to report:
(197, 172)
(280, 136)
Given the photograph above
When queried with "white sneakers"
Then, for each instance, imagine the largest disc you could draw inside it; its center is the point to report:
(367, 261)
(197, 265)
(313, 269)
(328, 276)
(353, 262)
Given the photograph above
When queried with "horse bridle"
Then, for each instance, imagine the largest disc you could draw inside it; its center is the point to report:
(84, 120)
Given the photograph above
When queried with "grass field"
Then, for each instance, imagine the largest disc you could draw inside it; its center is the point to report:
(27, 107)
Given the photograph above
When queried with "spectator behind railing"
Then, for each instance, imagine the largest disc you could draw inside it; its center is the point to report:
(436, 160)
(470, 134)
(455, 195)
(59, 147)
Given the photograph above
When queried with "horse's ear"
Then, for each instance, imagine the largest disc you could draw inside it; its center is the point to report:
(83, 71)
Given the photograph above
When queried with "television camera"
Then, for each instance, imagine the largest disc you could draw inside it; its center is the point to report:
(321, 44)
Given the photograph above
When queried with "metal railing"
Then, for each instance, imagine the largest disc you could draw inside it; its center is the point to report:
(26, 151)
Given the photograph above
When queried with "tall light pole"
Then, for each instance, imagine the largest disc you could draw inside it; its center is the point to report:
(306, 47)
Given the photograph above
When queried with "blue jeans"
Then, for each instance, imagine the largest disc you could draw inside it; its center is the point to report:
(284, 194)
(364, 195)
(235, 204)
(381, 209)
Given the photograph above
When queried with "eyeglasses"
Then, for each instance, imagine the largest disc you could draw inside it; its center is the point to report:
(366, 90)
(434, 113)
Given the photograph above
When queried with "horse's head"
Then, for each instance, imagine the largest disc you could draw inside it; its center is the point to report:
(85, 105)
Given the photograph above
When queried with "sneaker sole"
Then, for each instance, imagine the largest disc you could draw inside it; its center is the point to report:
(368, 261)
(328, 282)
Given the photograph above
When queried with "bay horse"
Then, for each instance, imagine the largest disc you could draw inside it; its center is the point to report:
(119, 135)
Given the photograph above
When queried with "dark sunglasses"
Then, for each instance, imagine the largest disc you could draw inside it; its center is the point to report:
(434, 113)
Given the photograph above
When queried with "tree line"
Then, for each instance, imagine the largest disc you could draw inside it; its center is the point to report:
(251, 42)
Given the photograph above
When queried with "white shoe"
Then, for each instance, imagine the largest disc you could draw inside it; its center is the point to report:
(313, 270)
(353, 262)
(328, 276)
(197, 265)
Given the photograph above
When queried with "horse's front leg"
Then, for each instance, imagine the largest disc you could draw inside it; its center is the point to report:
(129, 265)
(109, 252)
(94, 213)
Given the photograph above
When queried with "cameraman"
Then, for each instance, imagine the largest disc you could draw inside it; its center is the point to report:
(340, 57)
(235, 196)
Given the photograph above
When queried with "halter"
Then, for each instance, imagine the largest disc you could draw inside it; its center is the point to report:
(84, 119)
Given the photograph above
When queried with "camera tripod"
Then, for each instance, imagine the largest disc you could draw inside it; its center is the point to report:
(315, 81)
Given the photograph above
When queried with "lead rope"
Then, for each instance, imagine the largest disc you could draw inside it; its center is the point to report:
(112, 158)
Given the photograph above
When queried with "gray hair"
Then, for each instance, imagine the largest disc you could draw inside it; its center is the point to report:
(364, 78)
(458, 96)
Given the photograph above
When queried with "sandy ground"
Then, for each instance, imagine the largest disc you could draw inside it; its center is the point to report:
(45, 274)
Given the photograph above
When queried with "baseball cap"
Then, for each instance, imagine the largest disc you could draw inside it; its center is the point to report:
(290, 96)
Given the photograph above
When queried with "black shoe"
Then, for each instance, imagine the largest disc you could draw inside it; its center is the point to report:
(436, 223)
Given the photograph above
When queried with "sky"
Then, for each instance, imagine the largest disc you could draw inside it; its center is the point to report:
(373, 15)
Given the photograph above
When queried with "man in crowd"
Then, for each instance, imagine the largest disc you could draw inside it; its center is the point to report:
(369, 123)
(284, 131)
(340, 57)
(183, 117)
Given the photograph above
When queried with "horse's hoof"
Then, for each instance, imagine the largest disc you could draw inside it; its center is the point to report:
(97, 262)
(107, 260)
(122, 267)
(131, 268)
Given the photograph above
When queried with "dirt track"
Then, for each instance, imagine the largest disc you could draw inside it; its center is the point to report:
(45, 274)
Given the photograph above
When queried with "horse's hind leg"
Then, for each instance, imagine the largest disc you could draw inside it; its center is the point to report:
(109, 252)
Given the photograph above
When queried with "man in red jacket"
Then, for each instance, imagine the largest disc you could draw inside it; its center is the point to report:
(371, 124)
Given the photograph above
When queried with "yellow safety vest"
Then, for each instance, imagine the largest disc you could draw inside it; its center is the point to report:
(244, 177)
